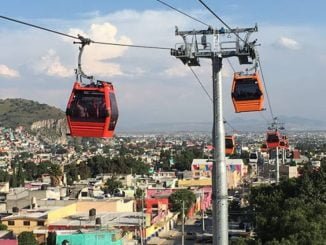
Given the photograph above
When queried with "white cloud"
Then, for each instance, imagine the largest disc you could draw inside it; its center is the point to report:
(95, 56)
(8, 72)
(51, 65)
(288, 43)
(177, 71)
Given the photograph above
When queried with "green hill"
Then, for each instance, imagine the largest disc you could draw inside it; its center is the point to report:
(21, 112)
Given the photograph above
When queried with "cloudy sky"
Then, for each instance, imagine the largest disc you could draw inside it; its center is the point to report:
(151, 85)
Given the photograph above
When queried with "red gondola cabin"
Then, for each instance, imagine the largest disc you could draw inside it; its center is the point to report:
(229, 144)
(273, 139)
(247, 92)
(92, 110)
(284, 142)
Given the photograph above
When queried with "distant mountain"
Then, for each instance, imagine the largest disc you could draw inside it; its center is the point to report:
(300, 123)
(21, 112)
(239, 124)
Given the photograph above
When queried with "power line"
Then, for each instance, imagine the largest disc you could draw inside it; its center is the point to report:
(181, 12)
(74, 37)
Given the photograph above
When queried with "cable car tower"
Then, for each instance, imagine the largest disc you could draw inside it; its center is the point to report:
(189, 52)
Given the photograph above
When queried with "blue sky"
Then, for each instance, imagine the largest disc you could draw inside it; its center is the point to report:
(151, 85)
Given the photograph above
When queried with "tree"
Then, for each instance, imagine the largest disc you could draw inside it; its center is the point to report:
(3, 227)
(176, 199)
(4, 176)
(294, 211)
(30, 169)
(139, 193)
(26, 238)
(183, 160)
(112, 184)
(55, 173)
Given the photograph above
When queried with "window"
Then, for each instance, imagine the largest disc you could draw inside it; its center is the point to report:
(40, 223)
(11, 222)
(85, 106)
(247, 89)
(27, 223)
(114, 111)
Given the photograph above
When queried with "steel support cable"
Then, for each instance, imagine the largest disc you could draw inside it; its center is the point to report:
(201, 84)
(38, 27)
(75, 37)
(230, 64)
(209, 96)
(181, 12)
(266, 91)
(130, 45)
(220, 19)
(263, 116)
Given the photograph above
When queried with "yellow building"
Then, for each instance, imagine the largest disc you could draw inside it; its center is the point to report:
(39, 218)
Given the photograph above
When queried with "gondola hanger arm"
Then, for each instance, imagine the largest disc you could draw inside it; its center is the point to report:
(79, 70)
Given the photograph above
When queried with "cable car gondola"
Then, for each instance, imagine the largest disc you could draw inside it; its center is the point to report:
(92, 109)
(229, 144)
(273, 139)
(284, 143)
(247, 92)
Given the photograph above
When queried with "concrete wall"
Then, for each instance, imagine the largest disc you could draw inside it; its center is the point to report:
(112, 205)
(60, 213)
(19, 226)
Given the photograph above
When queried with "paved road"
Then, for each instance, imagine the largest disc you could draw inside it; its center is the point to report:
(174, 237)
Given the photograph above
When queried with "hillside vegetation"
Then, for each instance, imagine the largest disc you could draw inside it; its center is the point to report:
(21, 112)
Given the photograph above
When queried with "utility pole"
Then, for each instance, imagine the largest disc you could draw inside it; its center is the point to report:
(277, 167)
(189, 53)
(142, 216)
(202, 210)
(183, 222)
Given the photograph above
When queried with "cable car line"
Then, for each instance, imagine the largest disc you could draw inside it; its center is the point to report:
(76, 37)
(210, 97)
(201, 84)
(220, 19)
(181, 12)
(232, 67)
(130, 45)
(263, 116)
(38, 27)
(266, 92)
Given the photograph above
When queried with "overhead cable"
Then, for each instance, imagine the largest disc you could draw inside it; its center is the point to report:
(181, 12)
(220, 19)
(75, 37)
(131, 45)
(201, 84)
(266, 92)
(232, 67)
(209, 96)
(38, 27)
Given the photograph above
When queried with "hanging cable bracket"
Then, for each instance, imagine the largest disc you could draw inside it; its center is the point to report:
(79, 71)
